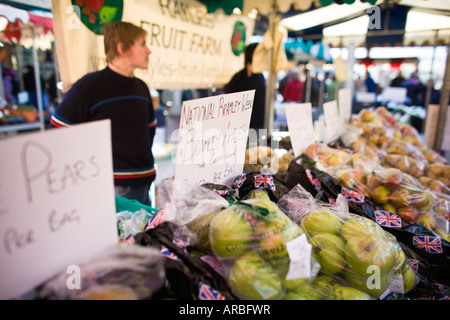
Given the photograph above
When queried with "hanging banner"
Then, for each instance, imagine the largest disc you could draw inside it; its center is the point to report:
(57, 204)
(212, 138)
(190, 47)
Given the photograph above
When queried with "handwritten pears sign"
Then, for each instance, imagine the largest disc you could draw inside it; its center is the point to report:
(212, 138)
(56, 203)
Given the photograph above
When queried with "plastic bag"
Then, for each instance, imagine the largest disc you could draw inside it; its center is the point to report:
(119, 273)
(352, 250)
(420, 239)
(406, 164)
(263, 252)
(129, 223)
(188, 277)
(191, 208)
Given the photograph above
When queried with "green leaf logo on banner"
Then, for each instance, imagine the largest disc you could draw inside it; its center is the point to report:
(94, 14)
(238, 38)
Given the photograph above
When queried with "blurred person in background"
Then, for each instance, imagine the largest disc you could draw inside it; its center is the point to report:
(293, 91)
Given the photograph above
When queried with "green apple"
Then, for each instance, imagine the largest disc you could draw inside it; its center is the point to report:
(304, 292)
(258, 194)
(353, 228)
(252, 278)
(274, 235)
(400, 256)
(200, 227)
(292, 284)
(380, 194)
(323, 284)
(348, 293)
(329, 252)
(364, 252)
(373, 284)
(230, 233)
(321, 220)
(408, 277)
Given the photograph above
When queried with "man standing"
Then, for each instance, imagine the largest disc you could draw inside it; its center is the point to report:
(244, 80)
(115, 93)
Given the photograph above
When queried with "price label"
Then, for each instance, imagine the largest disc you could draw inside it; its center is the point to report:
(299, 251)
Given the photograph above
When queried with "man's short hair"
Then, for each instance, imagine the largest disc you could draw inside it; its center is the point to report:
(249, 53)
(120, 32)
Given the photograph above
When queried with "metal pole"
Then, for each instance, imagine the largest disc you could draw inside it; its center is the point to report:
(270, 87)
(430, 80)
(443, 105)
(19, 57)
(2, 88)
(37, 79)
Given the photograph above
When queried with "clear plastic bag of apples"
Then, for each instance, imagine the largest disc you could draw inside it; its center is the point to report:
(358, 259)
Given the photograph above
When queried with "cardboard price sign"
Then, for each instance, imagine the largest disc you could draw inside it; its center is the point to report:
(300, 123)
(212, 138)
(334, 125)
(56, 203)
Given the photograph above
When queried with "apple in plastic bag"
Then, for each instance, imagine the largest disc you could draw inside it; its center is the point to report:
(253, 278)
(321, 221)
(329, 252)
(304, 292)
(364, 252)
(230, 233)
(348, 293)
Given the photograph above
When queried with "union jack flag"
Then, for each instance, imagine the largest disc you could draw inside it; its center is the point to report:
(167, 253)
(438, 297)
(314, 181)
(429, 244)
(387, 219)
(208, 293)
(264, 180)
(351, 195)
(441, 288)
(179, 243)
(129, 240)
(240, 180)
(222, 192)
(156, 220)
(346, 150)
(414, 264)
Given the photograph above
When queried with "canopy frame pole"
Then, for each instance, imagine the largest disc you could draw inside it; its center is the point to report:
(37, 79)
(445, 90)
(430, 80)
(270, 86)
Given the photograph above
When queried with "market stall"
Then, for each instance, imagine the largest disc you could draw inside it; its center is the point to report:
(358, 211)
(31, 29)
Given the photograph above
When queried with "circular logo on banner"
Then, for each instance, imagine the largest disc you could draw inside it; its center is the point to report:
(238, 38)
(94, 14)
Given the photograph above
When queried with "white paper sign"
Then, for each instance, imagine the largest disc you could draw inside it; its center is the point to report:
(57, 203)
(212, 138)
(345, 104)
(394, 94)
(300, 124)
(299, 251)
(334, 125)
